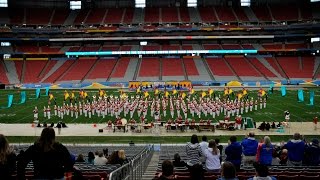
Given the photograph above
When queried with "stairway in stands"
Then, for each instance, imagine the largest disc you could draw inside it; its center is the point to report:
(152, 167)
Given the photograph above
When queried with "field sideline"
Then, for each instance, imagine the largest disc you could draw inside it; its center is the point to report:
(276, 105)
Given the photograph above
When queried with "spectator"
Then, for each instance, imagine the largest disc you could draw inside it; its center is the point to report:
(264, 152)
(197, 172)
(275, 158)
(7, 159)
(91, 158)
(80, 158)
(50, 158)
(273, 125)
(234, 152)
(167, 171)
(228, 171)
(295, 149)
(313, 153)
(249, 147)
(204, 143)
(268, 126)
(262, 173)
(193, 151)
(262, 126)
(220, 147)
(100, 160)
(114, 158)
(122, 157)
(212, 155)
(284, 157)
(105, 152)
(96, 154)
(177, 161)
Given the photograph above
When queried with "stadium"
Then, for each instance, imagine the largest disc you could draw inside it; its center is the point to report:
(143, 77)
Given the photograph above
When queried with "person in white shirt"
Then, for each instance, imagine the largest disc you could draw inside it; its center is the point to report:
(204, 145)
(212, 155)
(100, 159)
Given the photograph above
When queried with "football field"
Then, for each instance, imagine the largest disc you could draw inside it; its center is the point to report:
(276, 105)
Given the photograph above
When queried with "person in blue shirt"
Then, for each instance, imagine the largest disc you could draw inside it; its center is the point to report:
(296, 148)
(265, 151)
(249, 147)
(234, 152)
(262, 173)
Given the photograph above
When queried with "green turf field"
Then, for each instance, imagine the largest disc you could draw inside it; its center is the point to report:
(276, 105)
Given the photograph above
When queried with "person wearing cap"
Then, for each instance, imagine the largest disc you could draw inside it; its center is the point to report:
(315, 122)
(295, 149)
(313, 153)
(249, 147)
(262, 173)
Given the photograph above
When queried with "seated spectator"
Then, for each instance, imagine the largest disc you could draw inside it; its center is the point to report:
(197, 172)
(105, 152)
(264, 152)
(273, 125)
(7, 159)
(295, 149)
(212, 155)
(284, 157)
(279, 125)
(249, 146)
(275, 158)
(228, 171)
(268, 126)
(262, 173)
(262, 126)
(177, 161)
(167, 171)
(122, 157)
(193, 151)
(91, 158)
(114, 158)
(313, 153)
(80, 158)
(234, 152)
(50, 158)
(100, 160)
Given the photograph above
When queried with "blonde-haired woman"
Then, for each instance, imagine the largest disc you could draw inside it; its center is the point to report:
(122, 157)
(264, 152)
(7, 159)
(212, 155)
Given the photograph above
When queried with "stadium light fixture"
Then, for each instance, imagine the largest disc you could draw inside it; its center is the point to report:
(192, 3)
(75, 5)
(245, 3)
(3, 3)
(315, 39)
(315, 0)
(140, 3)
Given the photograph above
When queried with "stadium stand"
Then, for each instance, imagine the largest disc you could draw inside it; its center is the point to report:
(149, 67)
(121, 68)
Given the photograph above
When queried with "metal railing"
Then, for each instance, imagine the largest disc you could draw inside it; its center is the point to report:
(135, 168)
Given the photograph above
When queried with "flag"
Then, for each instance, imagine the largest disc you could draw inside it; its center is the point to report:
(156, 91)
(66, 95)
(85, 94)
(166, 94)
(244, 92)
(51, 96)
(72, 95)
(263, 92)
(184, 95)
(311, 98)
(283, 91)
(138, 90)
(203, 94)
(230, 91)
(226, 91)
(146, 94)
(300, 95)
(174, 92)
(239, 96)
(210, 91)
(191, 91)
(101, 93)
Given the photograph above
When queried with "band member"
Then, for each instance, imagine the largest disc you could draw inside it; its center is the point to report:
(287, 116)
(80, 108)
(89, 111)
(260, 103)
(62, 110)
(76, 111)
(35, 113)
(48, 112)
(264, 103)
(44, 112)
(55, 110)
(256, 105)
(71, 110)
(238, 122)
